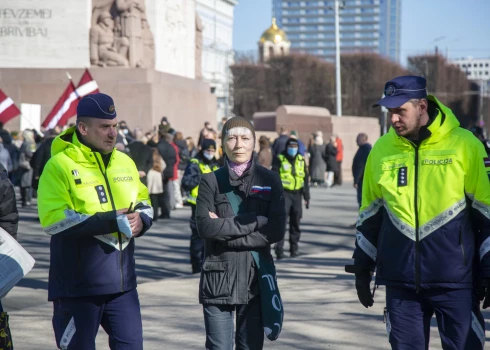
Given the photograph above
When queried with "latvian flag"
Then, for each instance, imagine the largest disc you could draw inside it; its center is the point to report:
(66, 107)
(8, 109)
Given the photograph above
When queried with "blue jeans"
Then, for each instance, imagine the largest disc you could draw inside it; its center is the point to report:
(218, 320)
(460, 322)
(76, 321)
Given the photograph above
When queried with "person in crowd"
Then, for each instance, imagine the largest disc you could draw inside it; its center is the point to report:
(337, 176)
(359, 163)
(423, 224)
(93, 206)
(7, 141)
(169, 156)
(318, 167)
(25, 170)
(176, 199)
(128, 135)
(206, 133)
(264, 157)
(42, 155)
(191, 147)
(5, 159)
(331, 161)
(230, 233)
(184, 153)
(9, 219)
(291, 167)
(155, 183)
(279, 144)
(479, 134)
(164, 126)
(205, 162)
(301, 146)
(141, 154)
(222, 123)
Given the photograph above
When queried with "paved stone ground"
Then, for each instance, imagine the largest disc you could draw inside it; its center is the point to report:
(322, 311)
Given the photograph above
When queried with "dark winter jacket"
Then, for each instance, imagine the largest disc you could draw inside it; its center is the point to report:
(39, 160)
(142, 156)
(229, 275)
(330, 157)
(359, 162)
(169, 156)
(279, 145)
(9, 216)
(184, 154)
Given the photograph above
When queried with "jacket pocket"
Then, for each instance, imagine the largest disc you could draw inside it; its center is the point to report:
(215, 280)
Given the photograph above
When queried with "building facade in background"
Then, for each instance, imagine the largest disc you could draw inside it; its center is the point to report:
(365, 26)
(217, 20)
(475, 68)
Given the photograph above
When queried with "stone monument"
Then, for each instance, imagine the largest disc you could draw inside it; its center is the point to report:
(199, 30)
(141, 52)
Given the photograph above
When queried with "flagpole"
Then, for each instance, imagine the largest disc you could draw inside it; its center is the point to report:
(69, 77)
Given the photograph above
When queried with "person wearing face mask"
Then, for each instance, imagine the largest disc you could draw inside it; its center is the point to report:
(232, 232)
(292, 170)
(205, 162)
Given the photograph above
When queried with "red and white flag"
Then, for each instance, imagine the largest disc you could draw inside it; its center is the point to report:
(65, 108)
(86, 86)
(8, 109)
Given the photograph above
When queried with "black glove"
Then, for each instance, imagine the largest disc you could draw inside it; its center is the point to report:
(484, 292)
(363, 286)
(307, 204)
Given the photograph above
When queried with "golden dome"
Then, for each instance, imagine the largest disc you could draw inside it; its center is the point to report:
(274, 34)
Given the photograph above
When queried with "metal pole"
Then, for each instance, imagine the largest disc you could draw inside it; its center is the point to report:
(227, 87)
(481, 104)
(337, 60)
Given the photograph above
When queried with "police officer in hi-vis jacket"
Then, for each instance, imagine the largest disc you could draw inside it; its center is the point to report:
(93, 205)
(424, 223)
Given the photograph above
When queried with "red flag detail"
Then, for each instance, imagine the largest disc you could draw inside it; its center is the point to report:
(64, 109)
(8, 109)
(87, 85)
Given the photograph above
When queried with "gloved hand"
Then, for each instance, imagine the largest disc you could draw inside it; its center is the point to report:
(484, 292)
(363, 286)
(307, 204)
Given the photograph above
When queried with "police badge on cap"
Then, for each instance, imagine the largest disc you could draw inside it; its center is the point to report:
(401, 90)
(97, 105)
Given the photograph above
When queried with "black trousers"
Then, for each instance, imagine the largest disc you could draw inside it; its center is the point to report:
(337, 175)
(196, 244)
(294, 210)
(168, 191)
(157, 201)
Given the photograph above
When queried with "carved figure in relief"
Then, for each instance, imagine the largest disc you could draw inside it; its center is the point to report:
(131, 13)
(105, 49)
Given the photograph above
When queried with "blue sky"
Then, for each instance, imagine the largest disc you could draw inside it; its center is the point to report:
(461, 26)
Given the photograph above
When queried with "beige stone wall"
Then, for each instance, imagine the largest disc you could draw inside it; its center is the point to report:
(141, 96)
(307, 120)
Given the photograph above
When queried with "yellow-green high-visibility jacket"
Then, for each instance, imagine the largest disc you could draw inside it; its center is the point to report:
(426, 208)
(290, 181)
(203, 169)
(78, 196)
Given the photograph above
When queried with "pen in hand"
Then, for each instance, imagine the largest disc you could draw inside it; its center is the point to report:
(130, 208)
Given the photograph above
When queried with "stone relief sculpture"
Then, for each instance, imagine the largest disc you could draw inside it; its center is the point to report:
(199, 30)
(105, 50)
(120, 34)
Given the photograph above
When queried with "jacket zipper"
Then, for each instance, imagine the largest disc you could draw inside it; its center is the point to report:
(417, 239)
(118, 233)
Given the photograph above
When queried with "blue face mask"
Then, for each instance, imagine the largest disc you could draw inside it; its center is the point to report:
(292, 151)
(208, 155)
